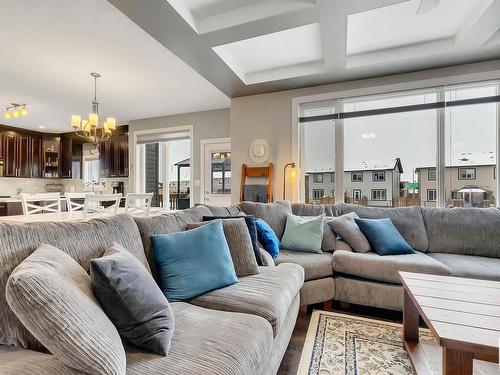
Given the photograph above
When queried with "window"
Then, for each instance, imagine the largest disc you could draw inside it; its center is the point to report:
(356, 176)
(456, 195)
(317, 178)
(431, 174)
(221, 172)
(378, 176)
(467, 173)
(332, 177)
(379, 194)
(431, 195)
(318, 193)
(91, 170)
(356, 194)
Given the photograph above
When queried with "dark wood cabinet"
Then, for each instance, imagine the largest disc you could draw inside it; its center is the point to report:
(66, 157)
(23, 163)
(113, 156)
(22, 154)
(11, 154)
(36, 157)
(1, 146)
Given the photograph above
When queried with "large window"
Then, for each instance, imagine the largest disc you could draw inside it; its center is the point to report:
(221, 172)
(318, 193)
(394, 139)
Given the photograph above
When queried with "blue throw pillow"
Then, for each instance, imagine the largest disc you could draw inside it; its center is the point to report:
(267, 237)
(193, 262)
(383, 236)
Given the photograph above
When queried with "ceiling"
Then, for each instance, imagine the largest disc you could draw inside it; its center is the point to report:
(50, 47)
(247, 47)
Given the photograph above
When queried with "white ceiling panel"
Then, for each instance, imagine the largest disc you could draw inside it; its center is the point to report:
(285, 54)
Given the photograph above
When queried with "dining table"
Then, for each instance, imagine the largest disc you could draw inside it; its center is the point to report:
(76, 216)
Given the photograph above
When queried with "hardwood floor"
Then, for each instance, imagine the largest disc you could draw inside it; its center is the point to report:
(291, 360)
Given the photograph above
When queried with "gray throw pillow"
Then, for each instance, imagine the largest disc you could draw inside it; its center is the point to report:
(346, 227)
(274, 214)
(240, 245)
(52, 296)
(132, 300)
(329, 237)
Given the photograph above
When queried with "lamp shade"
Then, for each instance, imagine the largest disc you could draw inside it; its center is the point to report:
(76, 121)
(7, 115)
(15, 113)
(93, 120)
(111, 123)
(24, 111)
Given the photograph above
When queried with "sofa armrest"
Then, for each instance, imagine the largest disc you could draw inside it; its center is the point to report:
(19, 361)
(267, 259)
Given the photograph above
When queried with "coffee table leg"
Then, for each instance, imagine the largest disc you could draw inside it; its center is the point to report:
(456, 362)
(411, 319)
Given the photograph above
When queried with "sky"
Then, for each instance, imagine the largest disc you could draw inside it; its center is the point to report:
(411, 136)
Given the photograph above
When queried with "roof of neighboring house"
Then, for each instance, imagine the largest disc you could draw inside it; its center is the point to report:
(184, 163)
(469, 159)
(370, 165)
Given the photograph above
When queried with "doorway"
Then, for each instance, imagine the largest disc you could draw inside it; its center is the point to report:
(216, 175)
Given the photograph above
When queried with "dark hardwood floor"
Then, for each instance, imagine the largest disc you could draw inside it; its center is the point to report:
(291, 360)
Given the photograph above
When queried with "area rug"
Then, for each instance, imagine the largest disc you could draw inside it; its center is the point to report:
(340, 344)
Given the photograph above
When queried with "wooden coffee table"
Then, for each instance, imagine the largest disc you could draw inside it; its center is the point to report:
(464, 318)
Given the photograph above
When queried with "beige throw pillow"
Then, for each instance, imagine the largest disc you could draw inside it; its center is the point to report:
(52, 296)
(240, 245)
(346, 227)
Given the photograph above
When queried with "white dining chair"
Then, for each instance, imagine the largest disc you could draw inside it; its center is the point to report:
(76, 201)
(36, 203)
(138, 204)
(93, 204)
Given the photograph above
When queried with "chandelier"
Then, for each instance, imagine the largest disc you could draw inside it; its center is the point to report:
(89, 129)
(15, 110)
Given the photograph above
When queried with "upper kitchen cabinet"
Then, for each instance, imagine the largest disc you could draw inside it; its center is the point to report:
(114, 157)
(21, 154)
(66, 157)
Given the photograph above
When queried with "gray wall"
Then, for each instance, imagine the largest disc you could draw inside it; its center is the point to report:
(206, 125)
(269, 116)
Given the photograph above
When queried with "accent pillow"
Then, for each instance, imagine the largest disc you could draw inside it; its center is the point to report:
(132, 300)
(329, 236)
(193, 262)
(383, 236)
(52, 296)
(252, 230)
(346, 227)
(240, 245)
(274, 214)
(303, 234)
(267, 238)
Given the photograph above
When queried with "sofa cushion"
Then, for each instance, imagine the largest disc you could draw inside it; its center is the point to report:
(316, 266)
(385, 268)
(132, 300)
(408, 221)
(470, 266)
(346, 227)
(466, 231)
(240, 245)
(210, 342)
(272, 213)
(268, 294)
(83, 241)
(52, 296)
(383, 236)
(222, 211)
(193, 262)
(308, 209)
(303, 233)
(329, 236)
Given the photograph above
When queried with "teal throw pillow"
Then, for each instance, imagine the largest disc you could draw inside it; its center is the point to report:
(303, 233)
(193, 262)
(383, 236)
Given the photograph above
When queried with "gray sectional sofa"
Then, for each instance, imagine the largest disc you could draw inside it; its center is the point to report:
(462, 242)
(241, 329)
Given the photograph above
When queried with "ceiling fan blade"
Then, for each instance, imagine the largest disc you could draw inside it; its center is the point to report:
(427, 5)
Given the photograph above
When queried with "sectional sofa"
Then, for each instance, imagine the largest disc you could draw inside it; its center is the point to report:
(241, 329)
(462, 242)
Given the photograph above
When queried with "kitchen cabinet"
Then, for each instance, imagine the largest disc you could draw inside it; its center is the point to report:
(22, 154)
(23, 161)
(113, 157)
(36, 157)
(10, 154)
(66, 157)
(1, 146)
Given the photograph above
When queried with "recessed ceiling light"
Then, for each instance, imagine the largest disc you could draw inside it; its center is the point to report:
(41, 127)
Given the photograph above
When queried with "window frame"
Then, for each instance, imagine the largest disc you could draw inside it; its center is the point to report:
(355, 173)
(429, 174)
(379, 200)
(360, 193)
(376, 172)
(332, 176)
(429, 191)
(465, 178)
(317, 175)
(322, 195)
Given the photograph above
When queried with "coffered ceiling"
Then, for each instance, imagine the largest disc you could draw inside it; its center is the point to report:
(254, 46)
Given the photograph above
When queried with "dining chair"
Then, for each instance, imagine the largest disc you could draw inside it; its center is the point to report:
(93, 204)
(35, 203)
(138, 204)
(75, 201)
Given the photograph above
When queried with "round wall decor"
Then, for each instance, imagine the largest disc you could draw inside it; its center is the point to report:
(259, 151)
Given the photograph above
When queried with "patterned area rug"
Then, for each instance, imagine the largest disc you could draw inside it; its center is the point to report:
(339, 344)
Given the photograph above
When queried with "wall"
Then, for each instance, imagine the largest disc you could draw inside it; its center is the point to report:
(269, 116)
(206, 125)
